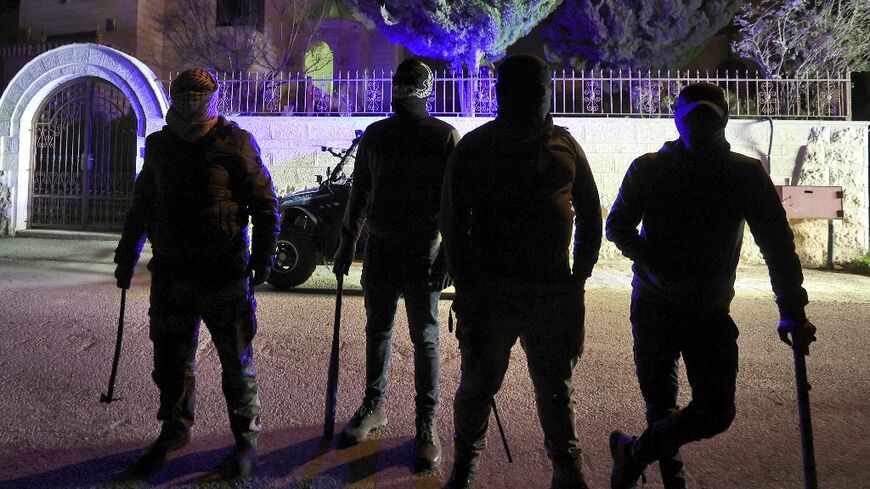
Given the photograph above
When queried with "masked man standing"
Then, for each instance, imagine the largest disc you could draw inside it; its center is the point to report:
(201, 181)
(693, 197)
(515, 190)
(396, 189)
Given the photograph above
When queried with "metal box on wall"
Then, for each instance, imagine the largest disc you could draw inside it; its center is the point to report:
(808, 202)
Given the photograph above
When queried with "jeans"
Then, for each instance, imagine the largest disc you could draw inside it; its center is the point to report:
(228, 311)
(707, 341)
(391, 270)
(548, 319)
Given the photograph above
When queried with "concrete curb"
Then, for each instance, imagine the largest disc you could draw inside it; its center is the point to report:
(70, 235)
(92, 248)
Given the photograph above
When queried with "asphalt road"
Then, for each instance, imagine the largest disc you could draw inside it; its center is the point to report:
(58, 316)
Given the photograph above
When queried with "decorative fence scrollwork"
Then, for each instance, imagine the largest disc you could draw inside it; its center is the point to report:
(592, 96)
(374, 96)
(768, 100)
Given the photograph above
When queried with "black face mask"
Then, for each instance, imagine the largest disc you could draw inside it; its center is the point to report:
(701, 128)
(410, 106)
(523, 102)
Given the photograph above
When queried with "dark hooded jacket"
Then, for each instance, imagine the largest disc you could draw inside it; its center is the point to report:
(397, 177)
(512, 197)
(693, 206)
(193, 201)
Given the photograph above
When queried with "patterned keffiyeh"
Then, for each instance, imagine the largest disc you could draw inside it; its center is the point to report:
(413, 79)
(193, 112)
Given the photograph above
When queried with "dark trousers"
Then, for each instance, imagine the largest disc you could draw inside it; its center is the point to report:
(391, 270)
(228, 311)
(549, 322)
(707, 341)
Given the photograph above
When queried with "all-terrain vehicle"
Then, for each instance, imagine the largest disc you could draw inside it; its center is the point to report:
(310, 223)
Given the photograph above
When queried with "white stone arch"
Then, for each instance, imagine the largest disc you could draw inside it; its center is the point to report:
(30, 87)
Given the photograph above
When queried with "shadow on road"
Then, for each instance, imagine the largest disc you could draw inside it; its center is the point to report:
(85, 472)
(291, 458)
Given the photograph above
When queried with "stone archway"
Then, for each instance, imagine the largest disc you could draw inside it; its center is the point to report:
(36, 81)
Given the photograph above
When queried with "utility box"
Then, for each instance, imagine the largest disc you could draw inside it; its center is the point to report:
(806, 202)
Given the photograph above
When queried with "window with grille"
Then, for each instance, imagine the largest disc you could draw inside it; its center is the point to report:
(240, 13)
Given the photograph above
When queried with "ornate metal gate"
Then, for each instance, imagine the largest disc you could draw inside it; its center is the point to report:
(84, 158)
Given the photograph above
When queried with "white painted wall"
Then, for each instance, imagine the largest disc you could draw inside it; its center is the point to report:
(824, 152)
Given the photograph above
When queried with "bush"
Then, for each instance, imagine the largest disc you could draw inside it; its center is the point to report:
(863, 263)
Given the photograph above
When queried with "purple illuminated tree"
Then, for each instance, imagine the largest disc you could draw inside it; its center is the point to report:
(464, 32)
(794, 38)
(467, 33)
(620, 34)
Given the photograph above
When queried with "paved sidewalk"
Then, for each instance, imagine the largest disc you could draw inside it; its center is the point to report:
(67, 247)
(95, 248)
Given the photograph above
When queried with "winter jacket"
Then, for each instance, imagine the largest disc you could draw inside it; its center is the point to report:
(693, 206)
(193, 201)
(397, 179)
(511, 200)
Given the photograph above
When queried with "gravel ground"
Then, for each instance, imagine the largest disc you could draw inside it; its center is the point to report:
(58, 314)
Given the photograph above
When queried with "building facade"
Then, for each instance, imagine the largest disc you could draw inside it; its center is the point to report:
(136, 27)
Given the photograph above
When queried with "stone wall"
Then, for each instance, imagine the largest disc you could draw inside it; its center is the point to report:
(149, 35)
(55, 18)
(803, 153)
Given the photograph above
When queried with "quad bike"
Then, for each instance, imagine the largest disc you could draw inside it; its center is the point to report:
(310, 223)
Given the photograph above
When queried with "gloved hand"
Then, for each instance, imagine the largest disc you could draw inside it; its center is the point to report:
(802, 334)
(343, 258)
(259, 272)
(468, 302)
(579, 277)
(650, 259)
(439, 278)
(124, 275)
(471, 318)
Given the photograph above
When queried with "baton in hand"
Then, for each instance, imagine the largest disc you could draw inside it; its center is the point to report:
(800, 347)
(332, 376)
(110, 396)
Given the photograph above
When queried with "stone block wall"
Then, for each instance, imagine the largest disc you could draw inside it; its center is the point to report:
(803, 153)
(53, 17)
(150, 38)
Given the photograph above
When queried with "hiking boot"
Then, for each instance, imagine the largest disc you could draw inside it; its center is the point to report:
(155, 456)
(426, 446)
(569, 473)
(673, 473)
(464, 472)
(369, 417)
(676, 483)
(238, 466)
(626, 469)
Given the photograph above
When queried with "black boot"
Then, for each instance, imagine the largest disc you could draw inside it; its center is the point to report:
(426, 446)
(673, 472)
(169, 442)
(569, 472)
(626, 469)
(462, 476)
(465, 465)
(238, 466)
(371, 416)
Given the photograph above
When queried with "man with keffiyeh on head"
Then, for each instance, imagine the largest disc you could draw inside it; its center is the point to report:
(201, 181)
(693, 197)
(396, 188)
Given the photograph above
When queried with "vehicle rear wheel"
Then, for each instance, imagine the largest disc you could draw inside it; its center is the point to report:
(295, 258)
